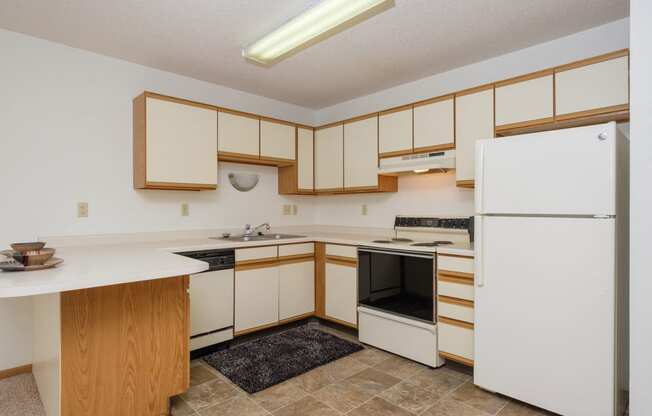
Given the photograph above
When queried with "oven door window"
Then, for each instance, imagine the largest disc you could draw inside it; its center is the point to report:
(397, 283)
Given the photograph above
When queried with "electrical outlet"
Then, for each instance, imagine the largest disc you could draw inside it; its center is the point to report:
(295, 209)
(363, 209)
(185, 210)
(82, 209)
(287, 209)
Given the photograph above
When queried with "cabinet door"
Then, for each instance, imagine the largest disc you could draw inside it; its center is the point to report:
(474, 120)
(181, 143)
(296, 289)
(395, 132)
(238, 134)
(256, 297)
(525, 102)
(361, 153)
(305, 159)
(329, 159)
(594, 87)
(341, 293)
(434, 124)
(277, 140)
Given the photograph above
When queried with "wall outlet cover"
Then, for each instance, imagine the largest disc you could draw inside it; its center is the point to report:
(185, 210)
(82, 209)
(295, 209)
(364, 210)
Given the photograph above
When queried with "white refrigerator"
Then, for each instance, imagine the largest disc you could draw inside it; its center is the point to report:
(551, 259)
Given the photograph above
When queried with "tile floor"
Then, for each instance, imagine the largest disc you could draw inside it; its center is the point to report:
(367, 383)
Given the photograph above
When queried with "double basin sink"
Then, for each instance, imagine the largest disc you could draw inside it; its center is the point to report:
(256, 237)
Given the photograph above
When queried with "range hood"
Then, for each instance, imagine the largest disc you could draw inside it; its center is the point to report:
(418, 163)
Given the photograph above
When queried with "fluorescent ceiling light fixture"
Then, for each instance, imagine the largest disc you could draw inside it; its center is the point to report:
(312, 26)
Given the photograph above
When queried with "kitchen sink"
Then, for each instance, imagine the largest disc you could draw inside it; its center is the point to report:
(257, 237)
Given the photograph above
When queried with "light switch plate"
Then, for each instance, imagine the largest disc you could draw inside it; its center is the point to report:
(295, 209)
(82, 209)
(185, 210)
(287, 209)
(364, 210)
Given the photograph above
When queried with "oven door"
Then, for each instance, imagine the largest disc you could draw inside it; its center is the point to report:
(397, 282)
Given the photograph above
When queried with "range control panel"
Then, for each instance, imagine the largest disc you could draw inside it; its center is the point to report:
(454, 223)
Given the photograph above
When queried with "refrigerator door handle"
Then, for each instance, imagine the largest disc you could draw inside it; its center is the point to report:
(479, 177)
(479, 247)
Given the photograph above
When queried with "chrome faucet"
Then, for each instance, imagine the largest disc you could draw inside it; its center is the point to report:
(249, 230)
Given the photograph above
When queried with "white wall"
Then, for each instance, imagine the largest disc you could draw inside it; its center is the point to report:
(641, 209)
(595, 41)
(65, 136)
(434, 194)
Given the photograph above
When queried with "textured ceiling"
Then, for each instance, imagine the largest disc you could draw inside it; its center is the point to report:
(203, 38)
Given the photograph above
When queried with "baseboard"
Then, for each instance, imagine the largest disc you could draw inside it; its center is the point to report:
(10, 372)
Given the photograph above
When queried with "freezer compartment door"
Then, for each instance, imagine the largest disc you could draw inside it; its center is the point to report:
(561, 172)
(544, 312)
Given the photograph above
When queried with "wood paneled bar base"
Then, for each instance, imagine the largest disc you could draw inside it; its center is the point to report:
(113, 350)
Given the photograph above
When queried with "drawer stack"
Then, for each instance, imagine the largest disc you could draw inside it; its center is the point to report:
(455, 313)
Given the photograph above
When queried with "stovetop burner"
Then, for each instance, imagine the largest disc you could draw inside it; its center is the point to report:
(402, 240)
(432, 244)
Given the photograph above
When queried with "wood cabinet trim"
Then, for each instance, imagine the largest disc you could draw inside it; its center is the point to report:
(593, 112)
(239, 113)
(436, 148)
(180, 186)
(593, 60)
(466, 184)
(320, 279)
(526, 77)
(296, 258)
(562, 123)
(255, 264)
(296, 318)
(455, 255)
(400, 108)
(433, 100)
(455, 301)
(456, 322)
(474, 90)
(277, 121)
(329, 125)
(255, 329)
(395, 153)
(360, 118)
(527, 123)
(149, 94)
(454, 279)
(456, 358)
(342, 261)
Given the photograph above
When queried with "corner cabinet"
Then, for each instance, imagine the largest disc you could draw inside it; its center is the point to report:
(474, 120)
(175, 143)
(277, 140)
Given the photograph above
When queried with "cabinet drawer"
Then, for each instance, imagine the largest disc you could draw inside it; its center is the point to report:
(296, 249)
(455, 340)
(455, 309)
(455, 264)
(455, 290)
(342, 251)
(256, 253)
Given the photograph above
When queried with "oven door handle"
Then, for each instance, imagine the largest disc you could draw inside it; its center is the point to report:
(397, 253)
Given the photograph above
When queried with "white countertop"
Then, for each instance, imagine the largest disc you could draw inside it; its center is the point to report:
(95, 265)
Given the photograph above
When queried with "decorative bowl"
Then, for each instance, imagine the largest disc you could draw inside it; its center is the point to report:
(23, 247)
(37, 257)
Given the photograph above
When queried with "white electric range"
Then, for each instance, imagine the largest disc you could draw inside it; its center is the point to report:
(397, 286)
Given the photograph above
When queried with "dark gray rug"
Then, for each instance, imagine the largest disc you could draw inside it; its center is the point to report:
(262, 363)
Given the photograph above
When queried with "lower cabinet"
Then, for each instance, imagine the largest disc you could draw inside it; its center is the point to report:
(455, 308)
(341, 294)
(296, 288)
(256, 296)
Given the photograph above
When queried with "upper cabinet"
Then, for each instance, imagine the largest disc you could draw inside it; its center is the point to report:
(474, 120)
(593, 86)
(175, 143)
(395, 132)
(361, 154)
(305, 159)
(277, 140)
(434, 124)
(238, 133)
(525, 100)
(329, 159)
